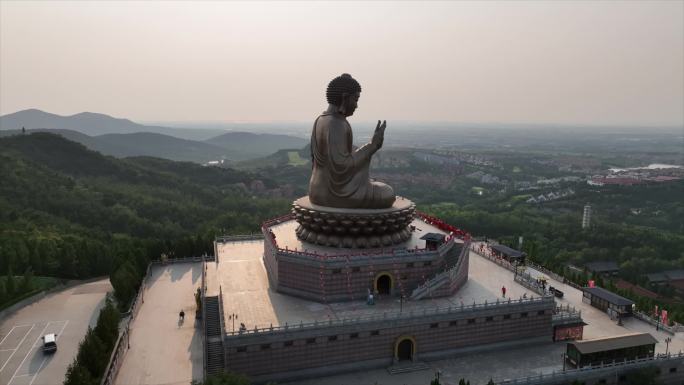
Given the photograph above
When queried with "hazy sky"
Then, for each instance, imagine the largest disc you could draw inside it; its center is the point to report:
(604, 63)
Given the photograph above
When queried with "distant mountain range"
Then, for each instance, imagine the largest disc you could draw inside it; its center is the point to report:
(124, 138)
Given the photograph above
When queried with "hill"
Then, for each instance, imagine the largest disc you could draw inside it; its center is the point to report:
(71, 212)
(246, 145)
(140, 144)
(94, 124)
(122, 137)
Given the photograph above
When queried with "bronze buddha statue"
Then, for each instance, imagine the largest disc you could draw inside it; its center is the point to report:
(340, 176)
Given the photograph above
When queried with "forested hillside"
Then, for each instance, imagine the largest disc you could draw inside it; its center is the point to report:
(70, 212)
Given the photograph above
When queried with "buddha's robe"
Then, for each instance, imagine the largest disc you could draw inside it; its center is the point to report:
(340, 176)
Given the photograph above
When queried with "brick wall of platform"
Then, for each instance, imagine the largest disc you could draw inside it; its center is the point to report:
(319, 279)
(347, 283)
(276, 355)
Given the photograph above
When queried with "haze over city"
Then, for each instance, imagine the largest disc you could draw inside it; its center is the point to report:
(575, 63)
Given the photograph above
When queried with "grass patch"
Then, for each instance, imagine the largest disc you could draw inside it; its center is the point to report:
(477, 190)
(295, 160)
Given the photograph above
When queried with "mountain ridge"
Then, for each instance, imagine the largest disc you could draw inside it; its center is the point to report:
(122, 137)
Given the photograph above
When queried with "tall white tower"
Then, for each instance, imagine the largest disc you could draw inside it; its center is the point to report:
(586, 219)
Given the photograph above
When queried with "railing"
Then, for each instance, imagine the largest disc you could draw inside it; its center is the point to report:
(659, 325)
(182, 260)
(278, 220)
(205, 338)
(397, 315)
(237, 238)
(223, 327)
(488, 255)
(569, 375)
(526, 280)
(563, 318)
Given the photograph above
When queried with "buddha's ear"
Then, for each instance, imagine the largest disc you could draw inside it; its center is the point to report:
(342, 108)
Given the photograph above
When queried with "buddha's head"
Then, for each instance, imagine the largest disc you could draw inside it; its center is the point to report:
(343, 92)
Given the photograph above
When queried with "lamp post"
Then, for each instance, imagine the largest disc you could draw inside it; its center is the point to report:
(563, 355)
(233, 317)
(667, 345)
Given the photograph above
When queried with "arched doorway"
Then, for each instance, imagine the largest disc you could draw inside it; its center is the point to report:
(405, 349)
(383, 284)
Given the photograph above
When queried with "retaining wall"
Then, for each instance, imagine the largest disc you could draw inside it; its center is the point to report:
(287, 352)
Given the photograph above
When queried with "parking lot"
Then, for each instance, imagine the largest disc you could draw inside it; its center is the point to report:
(68, 314)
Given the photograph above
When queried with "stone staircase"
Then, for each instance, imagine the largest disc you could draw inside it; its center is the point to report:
(214, 346)
(451, 257)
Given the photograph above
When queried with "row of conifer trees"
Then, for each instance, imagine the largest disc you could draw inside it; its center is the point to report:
(95, 349)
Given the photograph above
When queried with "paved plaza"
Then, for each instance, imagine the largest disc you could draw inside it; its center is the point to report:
(67, 313)
(246, 292)
(164, 350)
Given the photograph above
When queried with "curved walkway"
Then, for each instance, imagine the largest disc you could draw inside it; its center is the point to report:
(164, 350)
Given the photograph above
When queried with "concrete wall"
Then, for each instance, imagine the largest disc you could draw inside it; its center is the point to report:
(284, 354)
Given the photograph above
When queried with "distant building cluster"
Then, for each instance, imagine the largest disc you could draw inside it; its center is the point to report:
(555, 181)
(408, 179)
(471, 159)
(390, 160)
(485, 178)
(638, 176)
(551, 196)
(436, 159)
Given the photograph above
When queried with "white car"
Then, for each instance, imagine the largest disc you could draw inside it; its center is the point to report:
(50, 343)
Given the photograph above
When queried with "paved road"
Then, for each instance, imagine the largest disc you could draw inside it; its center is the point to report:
(164, 350)
(68, 314)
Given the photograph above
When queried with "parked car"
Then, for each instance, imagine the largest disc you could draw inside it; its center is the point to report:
(50, 343)
(556, 292)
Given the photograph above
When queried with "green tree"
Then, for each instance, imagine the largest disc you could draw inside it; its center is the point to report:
(198, 300)
(27, 281)
(10, 284)
(107, 328)
(93, 354)
(78, 375)
(3, 292)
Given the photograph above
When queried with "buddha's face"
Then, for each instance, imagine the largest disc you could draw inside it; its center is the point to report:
(349, 103)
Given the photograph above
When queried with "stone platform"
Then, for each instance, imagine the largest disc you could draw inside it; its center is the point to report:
(353, 228)
(324, 273)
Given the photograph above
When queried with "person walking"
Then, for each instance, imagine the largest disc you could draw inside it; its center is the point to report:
(181, 315)
(503, 291)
